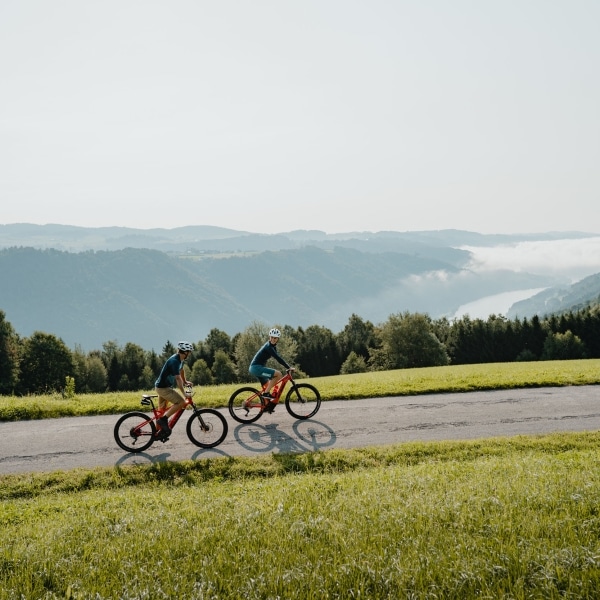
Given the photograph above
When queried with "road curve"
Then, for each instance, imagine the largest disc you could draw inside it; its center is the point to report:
(85, 442)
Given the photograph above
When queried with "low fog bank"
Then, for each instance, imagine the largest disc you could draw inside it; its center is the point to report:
(442, 294)
(495, 279)
(571, 259)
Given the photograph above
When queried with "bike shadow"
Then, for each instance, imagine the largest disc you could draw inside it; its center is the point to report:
(310, 436)
(143, 458)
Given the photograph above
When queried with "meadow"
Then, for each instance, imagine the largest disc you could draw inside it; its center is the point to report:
(510, 518)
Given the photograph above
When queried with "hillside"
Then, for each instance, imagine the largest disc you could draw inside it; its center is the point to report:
(93, 285)
(560, 299)
(148, 296)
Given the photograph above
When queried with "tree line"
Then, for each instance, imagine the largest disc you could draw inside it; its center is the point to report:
(42, 363)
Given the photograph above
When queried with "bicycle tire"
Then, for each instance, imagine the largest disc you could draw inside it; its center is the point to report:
(125, 426)
(303, 401)
(216, 426)
(237, 407)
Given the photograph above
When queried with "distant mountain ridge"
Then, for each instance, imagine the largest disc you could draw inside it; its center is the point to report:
(182, 283)
(71, 238)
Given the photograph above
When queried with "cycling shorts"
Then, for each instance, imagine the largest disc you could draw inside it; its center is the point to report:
(262, 373)
(168, 394)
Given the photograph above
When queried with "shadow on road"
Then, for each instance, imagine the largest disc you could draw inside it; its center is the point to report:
(309, 436)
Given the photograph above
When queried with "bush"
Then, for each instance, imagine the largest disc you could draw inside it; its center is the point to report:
(563, 346)
(354, 364)
(526, 356)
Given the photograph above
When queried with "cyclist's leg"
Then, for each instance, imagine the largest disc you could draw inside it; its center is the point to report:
(264, 375)
(162, 401)
(168, 395)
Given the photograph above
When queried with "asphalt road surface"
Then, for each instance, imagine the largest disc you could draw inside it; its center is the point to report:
(59, 444)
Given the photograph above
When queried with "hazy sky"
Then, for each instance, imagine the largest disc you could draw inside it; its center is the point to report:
(273, 115)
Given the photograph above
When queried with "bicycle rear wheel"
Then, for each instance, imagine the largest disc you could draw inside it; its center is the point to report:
(207, 428)
(245, 405)
(134, 432)
(303, 401)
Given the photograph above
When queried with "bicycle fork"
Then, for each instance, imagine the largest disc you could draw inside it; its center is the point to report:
(198, 415)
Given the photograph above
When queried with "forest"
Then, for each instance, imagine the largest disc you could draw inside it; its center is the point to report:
(42, 363)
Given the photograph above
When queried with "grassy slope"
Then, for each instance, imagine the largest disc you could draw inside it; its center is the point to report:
(497, 518)
(505, 518)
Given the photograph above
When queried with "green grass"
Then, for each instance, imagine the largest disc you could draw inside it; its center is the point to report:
(364, 385)
(508, 518)
(501, 518)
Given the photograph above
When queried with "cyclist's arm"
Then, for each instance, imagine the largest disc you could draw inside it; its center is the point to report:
(280, 359)
(181, 381)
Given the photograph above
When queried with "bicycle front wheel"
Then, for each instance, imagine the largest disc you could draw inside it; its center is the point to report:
(207, 428)
(245, 405)
(303, 401)
(135, 432)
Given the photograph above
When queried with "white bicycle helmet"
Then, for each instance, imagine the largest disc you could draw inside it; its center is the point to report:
(185, 347)
(275, 333)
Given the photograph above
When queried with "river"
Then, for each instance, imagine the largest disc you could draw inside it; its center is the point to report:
(498, 304)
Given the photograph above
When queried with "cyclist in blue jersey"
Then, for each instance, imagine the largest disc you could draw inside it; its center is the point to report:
(266, 374)
(172, 375)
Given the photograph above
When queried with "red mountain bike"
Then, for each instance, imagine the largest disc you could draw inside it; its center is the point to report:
(136, 431)
(302, 400)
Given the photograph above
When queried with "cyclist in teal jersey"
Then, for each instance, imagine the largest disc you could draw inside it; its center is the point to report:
(258, 366)
(172, 375)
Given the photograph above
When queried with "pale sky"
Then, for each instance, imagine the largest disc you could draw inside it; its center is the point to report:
(274, 115)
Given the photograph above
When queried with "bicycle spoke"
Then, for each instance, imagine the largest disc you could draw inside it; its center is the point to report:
(245, 405)
(134, 432)
(207, 428)
(303, 401)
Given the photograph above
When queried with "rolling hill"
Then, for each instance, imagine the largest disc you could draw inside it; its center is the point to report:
(90, 286)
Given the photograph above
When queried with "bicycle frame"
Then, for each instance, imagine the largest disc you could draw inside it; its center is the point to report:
(158, 412)
(277, 390)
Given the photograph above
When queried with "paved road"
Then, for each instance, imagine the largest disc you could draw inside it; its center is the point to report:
(57, 444)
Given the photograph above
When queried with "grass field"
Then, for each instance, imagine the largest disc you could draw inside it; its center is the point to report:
(505, 518)
(509, 518)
